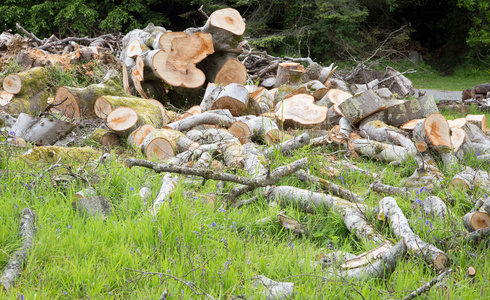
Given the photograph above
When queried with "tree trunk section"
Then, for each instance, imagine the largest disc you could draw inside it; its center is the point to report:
(124, 120)
(165, 143)
(410, 110)
(401, 228)
(476, 220)
(233, 71)
(135, 138)
(361, 106)
(41, 131)
(106, 104)
(299, 111)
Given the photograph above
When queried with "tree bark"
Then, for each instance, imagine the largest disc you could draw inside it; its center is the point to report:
(106, 104)
(410, 110)
(165, 143)
(476, 220)
(41, 131)
(18, 259)
(361, 106)
(401, 228)
(124, 120)
(252, 130)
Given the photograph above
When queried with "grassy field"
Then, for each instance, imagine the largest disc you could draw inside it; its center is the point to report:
(195, 245)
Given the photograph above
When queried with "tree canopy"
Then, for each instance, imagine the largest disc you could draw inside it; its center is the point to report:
(321, 29)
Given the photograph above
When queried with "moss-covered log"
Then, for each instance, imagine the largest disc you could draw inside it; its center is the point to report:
(106, 104)
(420, 108)
(124, 120)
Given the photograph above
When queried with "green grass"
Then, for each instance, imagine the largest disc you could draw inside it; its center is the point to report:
(132, 255)
(464, 77)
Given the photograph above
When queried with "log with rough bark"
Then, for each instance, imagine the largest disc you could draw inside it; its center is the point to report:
(18, 259)
(476, 220)
(258, 128)
(25, 92)
(93, 206)
(419, 108)
(299, 111)
(228, 145)
(434, 131)
(381, 268)
(106, 104)
(315, 88)
(401, 229)
(352, 213)
(471, 179)
(165, 143)
(136, 138)
(334, 97)
(263, 97)
(361, 106)
(426, 175)
(80, 102)
(41, 131)
(124, 120)
(435, 206)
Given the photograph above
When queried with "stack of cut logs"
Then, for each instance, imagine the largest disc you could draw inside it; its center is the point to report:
(233, 116)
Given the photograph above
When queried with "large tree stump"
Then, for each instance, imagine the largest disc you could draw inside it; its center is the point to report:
(41, 131)
(420, 108)
(299, 111)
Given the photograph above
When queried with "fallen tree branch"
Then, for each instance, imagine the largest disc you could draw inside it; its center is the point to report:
(401, 229)
(211, 174)
(19, 258)
(29, 34)
(426, 287)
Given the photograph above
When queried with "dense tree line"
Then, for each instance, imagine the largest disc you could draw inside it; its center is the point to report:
(322, 29)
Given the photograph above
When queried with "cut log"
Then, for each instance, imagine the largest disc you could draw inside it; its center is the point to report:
(398, 83)
(376, 130)
(135, 139)
(145, 63)
(426, 175)
(41, 131)
(435, 206)
(476, 220)
(382, 151)
(361, 106)
(289, 73)
(299, 111)
(93, 206)
(5, 98)
(106, 138)
(334, 97)
(264, 99)
(419, 108)
(315, 88)
(254, 161)
(471, 179)
(286, 148)
(135, 48)
(163, 144)
(233, 71)
(18, 259)
(233, 97)
(176, 63)
(26, 82)
(85, 193)
(435, 131)
(208, 118)
(106, 104)
(255, 129)
(379, 268)
(229, 146)
(401, 229)
(80, 102)
(352, 213)
(227, 28)
(479, 120)
(124, 120)
(169, 183)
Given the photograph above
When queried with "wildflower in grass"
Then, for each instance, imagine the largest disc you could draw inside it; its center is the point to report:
(213, 224)
(110, 293)
(387, 215)
(367, 172)
(222, 210)
(65, 293)
(57, 230)
(248, 262)
(418, 201)
(69, 226)
(430, 225)
(477, 153)
(239, 211)
(154, 220)
(131, 188)
(426, 222)
(11, 133)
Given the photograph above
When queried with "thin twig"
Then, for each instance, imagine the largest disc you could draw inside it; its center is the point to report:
(426, 287)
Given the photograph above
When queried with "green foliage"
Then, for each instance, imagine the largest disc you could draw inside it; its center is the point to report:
(479, 11)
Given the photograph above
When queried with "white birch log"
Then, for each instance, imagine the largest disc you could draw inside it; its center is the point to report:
(352, 213)
(382, 151)
(169, 183)
(401, 228)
